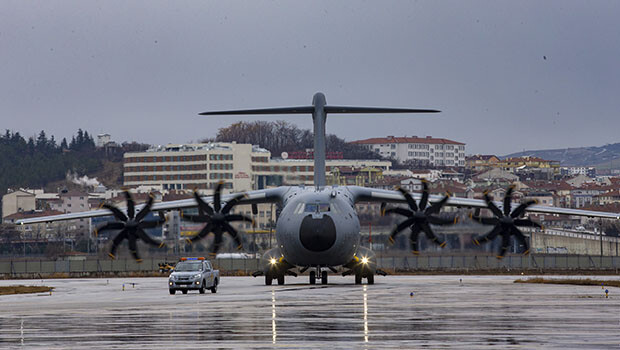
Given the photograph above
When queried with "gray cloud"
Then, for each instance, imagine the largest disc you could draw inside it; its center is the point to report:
(507, 75)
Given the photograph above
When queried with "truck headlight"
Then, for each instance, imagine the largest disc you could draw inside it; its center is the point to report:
(196, 276)
(173, 277)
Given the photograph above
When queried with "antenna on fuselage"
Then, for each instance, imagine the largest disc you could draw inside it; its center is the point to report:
(319, 111)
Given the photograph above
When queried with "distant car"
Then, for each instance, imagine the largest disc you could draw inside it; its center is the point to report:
(193, 274)
(580, 228)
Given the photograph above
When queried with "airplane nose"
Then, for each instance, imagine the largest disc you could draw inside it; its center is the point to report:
(317, 235)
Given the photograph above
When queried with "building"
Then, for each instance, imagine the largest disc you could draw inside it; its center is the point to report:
(103, 139)
(515, 163)
(17, 201)
(242, 167)
(418, 150)
(480, 162)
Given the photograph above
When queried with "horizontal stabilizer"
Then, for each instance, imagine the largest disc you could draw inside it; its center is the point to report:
(345, 109)
(280, 110)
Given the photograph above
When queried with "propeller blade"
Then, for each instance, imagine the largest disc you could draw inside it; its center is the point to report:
(521, 209)
(527, 223)
(133, 247)
(401, 211)
(431, 235)
(486, 221)
(433, 220)
(508, 200)
(505, 245)
(119, 215)
(383, 205)
(492, 205)
(110, 226)
(148, 224)
(146, 209)
(203, 233)
(238, 217)
(412, 205)
(254, 209)
(231, 203)
(522, 240)
(202, 205)
(217, 196)
(489, 236)
(234, 234)
(413, 237)
(131, 210)
(436, 207)
(116, 241)
(216, 242)
(148, 239)
(403, 225)
(424, 199)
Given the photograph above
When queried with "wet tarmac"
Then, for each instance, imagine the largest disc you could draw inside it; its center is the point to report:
(481, 312)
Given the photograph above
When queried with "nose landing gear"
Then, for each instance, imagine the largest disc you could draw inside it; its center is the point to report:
(318, 272)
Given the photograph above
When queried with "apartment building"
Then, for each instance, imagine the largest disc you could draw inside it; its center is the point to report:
(424, 150)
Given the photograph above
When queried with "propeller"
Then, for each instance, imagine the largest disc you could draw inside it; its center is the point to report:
(420, 217)
(217, 219)
(132, 226)
(506, 223)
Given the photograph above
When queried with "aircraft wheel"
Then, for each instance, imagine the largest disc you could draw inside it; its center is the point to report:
(324, 277)
(312, 277)
(371, 279)
(358, 278)
(268, 280)
(281, 280)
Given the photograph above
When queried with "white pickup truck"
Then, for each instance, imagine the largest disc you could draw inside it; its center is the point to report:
(193, 274)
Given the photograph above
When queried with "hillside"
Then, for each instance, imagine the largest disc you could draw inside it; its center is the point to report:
(600, 157)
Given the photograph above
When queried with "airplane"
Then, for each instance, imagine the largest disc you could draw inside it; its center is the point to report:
(318, 228)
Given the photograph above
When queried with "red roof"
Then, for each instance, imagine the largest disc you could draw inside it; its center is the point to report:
(392, 139)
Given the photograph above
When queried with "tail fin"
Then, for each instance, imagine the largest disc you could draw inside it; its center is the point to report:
(319, 111)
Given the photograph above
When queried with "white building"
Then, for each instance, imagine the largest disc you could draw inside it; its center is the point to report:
(428, 150)
(241, 167)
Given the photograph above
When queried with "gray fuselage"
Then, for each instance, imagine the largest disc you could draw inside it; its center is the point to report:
(318, 227)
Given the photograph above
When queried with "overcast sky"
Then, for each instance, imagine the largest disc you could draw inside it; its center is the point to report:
(508, 75)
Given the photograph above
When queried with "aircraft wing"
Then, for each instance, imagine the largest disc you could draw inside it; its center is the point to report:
(364, 194)
(271, 195)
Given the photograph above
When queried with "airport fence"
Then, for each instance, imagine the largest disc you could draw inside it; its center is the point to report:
(438, 263)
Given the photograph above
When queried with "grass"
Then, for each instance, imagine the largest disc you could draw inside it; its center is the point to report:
(8, 290)
(573, 281)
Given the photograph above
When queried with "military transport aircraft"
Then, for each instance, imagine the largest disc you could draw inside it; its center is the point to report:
(318, 227)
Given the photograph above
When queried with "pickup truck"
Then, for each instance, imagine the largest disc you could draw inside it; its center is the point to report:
(193, 274)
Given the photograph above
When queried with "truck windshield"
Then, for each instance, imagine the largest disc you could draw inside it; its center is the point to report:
(189, 266)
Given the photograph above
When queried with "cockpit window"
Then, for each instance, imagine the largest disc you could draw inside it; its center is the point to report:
(316, 207)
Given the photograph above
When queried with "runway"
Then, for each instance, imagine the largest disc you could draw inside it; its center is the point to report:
(481, 312)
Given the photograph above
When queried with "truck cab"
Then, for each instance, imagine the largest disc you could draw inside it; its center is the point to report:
(193, 274)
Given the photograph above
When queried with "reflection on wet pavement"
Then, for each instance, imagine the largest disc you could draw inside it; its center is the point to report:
(483, 312)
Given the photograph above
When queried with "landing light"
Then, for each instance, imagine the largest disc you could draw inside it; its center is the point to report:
(364, 260)
(272, 261)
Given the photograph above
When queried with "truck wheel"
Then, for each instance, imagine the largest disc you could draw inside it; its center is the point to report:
(267, 280)
(214, 288)
(281, 280)
(312, 277)
(172, 291)
(324, 277)
(370, 279)
(184, 291)
(202, 288)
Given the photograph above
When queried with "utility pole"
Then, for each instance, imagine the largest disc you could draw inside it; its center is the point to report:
(601, 239)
